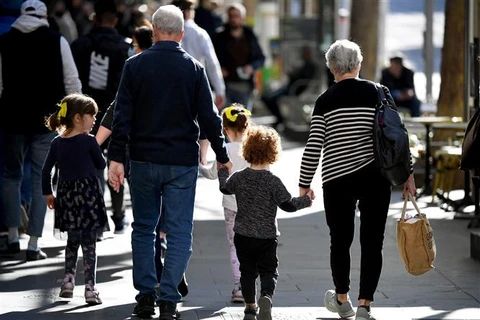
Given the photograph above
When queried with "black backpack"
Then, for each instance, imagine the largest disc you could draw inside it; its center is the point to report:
(470, 158)
(390, 140)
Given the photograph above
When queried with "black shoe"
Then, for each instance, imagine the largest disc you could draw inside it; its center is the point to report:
(250, 313)
(183, 287)
(120, 225)
(145, 307)
(168, 311)
(33, 255)
(10, 248)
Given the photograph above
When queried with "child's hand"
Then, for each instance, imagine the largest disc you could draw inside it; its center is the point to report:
(50, 201)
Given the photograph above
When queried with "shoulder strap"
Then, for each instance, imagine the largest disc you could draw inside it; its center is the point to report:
(381, 93)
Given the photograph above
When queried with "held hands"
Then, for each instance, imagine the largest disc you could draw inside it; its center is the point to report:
(309, 192)
(409, 186)
(116, 175)
(227, 165)
(50, 201)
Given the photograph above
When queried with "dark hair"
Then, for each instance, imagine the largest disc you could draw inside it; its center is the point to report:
(75, 103)
(261, 145)
(144, 37)
(184, 4)
(241, 122)
(105, 10)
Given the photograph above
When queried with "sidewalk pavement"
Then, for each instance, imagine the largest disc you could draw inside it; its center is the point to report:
(451, 291)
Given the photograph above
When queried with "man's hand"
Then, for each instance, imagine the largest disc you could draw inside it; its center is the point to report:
(116, 175)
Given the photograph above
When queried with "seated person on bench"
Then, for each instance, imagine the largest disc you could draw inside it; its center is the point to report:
(305, 72)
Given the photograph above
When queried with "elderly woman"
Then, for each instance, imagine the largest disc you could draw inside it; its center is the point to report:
(341, 127)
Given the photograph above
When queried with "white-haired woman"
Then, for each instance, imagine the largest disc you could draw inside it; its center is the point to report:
(341, 129)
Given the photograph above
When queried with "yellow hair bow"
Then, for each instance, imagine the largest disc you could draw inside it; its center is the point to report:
(63, 110)
(233, 111)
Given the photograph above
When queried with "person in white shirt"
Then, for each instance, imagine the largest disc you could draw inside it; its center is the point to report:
(198, 44)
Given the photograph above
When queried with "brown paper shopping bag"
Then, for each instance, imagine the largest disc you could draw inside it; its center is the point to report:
(415, 241)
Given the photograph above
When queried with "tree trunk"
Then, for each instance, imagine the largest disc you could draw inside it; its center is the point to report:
(364, 31)
(451, 98)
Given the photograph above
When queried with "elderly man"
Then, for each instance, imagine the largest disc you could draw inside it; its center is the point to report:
(163, 100)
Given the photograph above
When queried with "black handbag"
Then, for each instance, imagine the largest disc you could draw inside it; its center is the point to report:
(390, 140)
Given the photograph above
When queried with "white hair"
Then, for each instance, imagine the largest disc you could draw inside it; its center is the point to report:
(343, 56)
(240, 7)
(168, 19)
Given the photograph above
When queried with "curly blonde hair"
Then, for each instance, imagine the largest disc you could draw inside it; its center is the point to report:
(261, 145)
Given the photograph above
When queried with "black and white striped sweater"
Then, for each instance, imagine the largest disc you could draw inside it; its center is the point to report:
(341, 130)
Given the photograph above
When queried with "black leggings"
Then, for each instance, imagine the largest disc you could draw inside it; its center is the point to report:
(372, 193)
(257, 257)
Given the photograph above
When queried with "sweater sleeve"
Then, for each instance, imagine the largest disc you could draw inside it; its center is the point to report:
(313, 150)
(96, 153)
(47, 170)
(227, 185)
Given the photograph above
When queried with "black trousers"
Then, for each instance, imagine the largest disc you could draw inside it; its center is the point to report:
(257, 257)
(367, 188)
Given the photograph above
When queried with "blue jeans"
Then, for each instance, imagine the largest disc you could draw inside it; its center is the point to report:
(16, 147)
(151, 186)
(26, 188)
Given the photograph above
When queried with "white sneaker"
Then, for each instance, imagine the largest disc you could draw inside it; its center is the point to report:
(344, 310)
(237, 295)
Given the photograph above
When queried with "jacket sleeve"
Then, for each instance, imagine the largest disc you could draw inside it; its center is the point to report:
(258, 58)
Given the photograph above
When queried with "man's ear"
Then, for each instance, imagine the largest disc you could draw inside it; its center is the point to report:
(180, 36)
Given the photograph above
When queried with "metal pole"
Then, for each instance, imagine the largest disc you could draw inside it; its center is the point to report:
(466, 91)
(428, 46)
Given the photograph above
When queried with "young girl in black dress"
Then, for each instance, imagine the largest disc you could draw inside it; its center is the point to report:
(78, 202)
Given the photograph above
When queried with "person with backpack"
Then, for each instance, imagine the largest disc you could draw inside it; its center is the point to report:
(341, 132)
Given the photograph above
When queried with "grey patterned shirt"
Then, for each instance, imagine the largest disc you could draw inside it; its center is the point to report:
(258, 194)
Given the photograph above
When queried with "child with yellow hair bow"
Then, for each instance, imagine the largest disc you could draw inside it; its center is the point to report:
(235, 124)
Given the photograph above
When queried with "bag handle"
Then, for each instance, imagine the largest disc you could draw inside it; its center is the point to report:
(404, 210)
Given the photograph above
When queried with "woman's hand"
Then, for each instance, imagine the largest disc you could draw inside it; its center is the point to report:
(409, 187)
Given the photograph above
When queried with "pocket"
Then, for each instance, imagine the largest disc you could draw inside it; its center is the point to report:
(184, 177)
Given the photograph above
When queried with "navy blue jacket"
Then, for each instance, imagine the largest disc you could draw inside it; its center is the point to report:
(163, 100)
